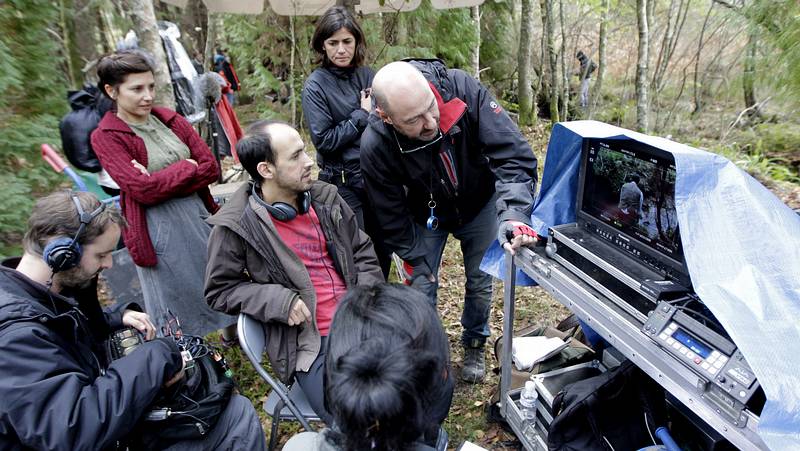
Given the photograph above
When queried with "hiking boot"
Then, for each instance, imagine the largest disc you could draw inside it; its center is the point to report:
(474, 365)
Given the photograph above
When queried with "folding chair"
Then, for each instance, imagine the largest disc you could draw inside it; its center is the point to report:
(283, 403)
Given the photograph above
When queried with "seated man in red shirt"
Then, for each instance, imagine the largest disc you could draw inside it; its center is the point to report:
(285, 249)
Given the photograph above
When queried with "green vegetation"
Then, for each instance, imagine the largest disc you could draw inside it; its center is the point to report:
(33, 91)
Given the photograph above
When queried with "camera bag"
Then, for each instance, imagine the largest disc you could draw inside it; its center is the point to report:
(194, 405)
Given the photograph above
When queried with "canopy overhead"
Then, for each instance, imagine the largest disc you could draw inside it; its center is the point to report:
(317, 7)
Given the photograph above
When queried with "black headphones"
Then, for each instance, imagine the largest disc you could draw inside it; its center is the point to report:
(282, 211)
(64, 253)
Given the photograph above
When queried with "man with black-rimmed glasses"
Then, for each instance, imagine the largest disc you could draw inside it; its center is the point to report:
(440, 156)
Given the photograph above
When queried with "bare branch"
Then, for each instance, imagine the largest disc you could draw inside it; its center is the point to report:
(729, 4)
(749, 111)
(56, 35)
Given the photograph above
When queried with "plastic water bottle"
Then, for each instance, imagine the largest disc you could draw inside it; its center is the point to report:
(527, 402)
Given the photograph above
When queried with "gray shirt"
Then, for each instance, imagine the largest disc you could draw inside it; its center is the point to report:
(163, 147)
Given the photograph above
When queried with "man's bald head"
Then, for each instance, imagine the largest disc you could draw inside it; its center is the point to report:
(394, 80)
(405, 101)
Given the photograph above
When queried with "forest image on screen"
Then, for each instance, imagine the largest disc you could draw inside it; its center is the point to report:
(635, 193)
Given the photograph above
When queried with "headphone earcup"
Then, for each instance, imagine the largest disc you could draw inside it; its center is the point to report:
(305, 202)
(62, 254)
(281, 211)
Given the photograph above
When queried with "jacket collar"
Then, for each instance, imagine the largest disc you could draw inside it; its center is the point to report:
(450, 113)
(344, 73)
(111, 122)
(23, 298)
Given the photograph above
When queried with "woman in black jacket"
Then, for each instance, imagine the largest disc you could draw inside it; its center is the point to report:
(336, 104)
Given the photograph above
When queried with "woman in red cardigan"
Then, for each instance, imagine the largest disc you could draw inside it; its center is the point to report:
(163, 169)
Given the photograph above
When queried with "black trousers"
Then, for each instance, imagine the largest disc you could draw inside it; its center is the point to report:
(313, 383)
(357, 199)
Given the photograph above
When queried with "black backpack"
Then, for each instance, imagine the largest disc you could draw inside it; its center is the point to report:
(618, 410)
(88, 107)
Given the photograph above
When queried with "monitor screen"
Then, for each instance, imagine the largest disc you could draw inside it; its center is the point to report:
(630, 187)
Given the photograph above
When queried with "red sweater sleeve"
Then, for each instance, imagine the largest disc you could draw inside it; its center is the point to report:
(207, 169)
(116, 150)
(115, 153)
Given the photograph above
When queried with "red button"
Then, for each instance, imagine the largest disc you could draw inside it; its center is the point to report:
(697, 360)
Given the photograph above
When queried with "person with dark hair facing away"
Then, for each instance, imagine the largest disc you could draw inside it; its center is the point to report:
(441, 156)
(336, 104)
(631, 199)
(163, 169)
(285, 249)
(224, 67)
(388, 380)
(584, 74)
(59, 389)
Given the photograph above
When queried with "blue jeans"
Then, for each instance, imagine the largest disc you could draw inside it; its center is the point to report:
(475, 237)
(585, 92)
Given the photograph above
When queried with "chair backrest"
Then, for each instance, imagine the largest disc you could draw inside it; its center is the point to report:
(253, 340)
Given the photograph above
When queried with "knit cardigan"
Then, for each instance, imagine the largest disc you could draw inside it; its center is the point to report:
(116, 145)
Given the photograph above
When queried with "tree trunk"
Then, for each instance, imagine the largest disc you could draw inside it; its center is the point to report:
(651, 10)
(641, 67)
(348, 4)
(292, 97)
(552, 57)
(111, 33)
(564, 73)
(401, 29)
(144, 22)
(698, 94)
(601, 58)
(527, 105)
(394, 28)
(475, 13)
(748, 78)
(663, 51)
(193, 23)
(72, 56)
(78, 22)
(85, 18)
(212, 30)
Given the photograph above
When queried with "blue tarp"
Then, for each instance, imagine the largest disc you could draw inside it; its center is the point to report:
(742, 249)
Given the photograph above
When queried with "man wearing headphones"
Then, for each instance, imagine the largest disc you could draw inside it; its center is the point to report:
(59, 389)
(284, 250)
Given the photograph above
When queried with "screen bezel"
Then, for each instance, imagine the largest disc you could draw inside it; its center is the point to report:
(678, 271)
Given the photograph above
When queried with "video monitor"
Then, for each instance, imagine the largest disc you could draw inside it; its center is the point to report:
(627, 197)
